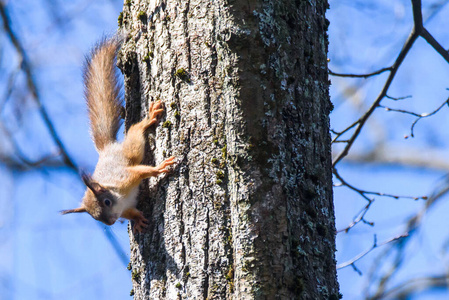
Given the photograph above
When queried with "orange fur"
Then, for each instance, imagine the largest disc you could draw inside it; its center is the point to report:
(134, 143)
(135, 174)
(102, 92)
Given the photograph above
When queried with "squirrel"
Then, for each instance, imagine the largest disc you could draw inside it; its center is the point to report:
(112, 190)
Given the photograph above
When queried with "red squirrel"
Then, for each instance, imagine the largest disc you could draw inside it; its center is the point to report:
(111, 191)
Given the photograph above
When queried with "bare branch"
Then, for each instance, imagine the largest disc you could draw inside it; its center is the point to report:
(363, 193)
(19, 161)
(384, 154)
(419, 116)
(417, 16)
(400, 111)
(374, 246)
(431, 40)
(398, 98)
(338, 134)
(418, 30)
(361, 122)
(360, 217)
(425, 115)
(360, 75)
(9, 89)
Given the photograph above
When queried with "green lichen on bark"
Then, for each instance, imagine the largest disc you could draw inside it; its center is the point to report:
(120, 19)
(183, 75)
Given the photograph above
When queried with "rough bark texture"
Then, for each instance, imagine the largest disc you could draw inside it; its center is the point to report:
(247, 213)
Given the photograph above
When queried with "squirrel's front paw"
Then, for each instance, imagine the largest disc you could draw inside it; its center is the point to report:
(162, 168)
(140, 223)
(155, 109)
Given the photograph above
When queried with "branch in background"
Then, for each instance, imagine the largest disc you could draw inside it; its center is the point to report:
(9, 89)
(374, 246)
(360, 217)
(360, 75)
(434, 9)
(340, 133)
(361, 122)
(26, 67)
(363, 193)
(398, 98)
(22, 162)
(425, 116)
(417, 31)
(399, 246)
(61, 20)
(45, 162)
(418, 116)
(400, 111)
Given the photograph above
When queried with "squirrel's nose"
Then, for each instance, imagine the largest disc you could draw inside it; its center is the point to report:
(112, 219)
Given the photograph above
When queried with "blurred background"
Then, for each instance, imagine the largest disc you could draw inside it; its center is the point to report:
(388, 246)
(44, 255)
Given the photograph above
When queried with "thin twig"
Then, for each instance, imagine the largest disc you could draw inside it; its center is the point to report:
(10, 87)
(398, 98)
(363, 193)
(427, 115)
(340, 133)
(345, 183)
(400, 111)
(418, 116)
(360, 75)
(374, 246)
(360, 217)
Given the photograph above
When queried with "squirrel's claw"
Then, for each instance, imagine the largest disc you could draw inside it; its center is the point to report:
(162, 167)
(140, 223)
(155, 109)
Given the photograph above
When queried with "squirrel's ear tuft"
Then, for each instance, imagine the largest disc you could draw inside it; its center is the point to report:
(95, 187)
(86, 178)
(75, 210)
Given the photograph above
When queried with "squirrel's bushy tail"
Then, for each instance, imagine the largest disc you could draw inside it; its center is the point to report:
(102, 91)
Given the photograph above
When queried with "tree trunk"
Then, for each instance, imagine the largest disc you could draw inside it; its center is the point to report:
(247, 212)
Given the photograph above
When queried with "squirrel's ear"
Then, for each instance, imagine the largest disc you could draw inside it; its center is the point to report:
(75, 210)
(95, 187)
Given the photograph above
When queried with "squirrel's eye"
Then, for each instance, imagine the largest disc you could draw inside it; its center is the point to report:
(107, 202)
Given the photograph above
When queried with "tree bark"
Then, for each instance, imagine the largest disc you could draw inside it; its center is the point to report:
(247, 212)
